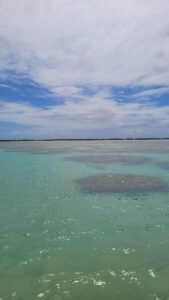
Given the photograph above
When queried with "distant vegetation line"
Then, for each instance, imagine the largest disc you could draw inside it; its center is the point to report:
(81, 139)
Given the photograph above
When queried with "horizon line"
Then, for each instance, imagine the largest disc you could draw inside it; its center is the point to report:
(82, 139)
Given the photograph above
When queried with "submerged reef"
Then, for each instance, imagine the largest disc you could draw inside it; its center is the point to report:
(164, 165)
(34, 147)
(107, 159)
(123, 183)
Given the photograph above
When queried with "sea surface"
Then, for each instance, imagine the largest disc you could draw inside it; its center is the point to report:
(84, 220)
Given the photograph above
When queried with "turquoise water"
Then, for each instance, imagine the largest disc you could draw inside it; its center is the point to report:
(60, 242)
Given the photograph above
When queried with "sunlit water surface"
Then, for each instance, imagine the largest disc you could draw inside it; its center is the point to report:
(59, 241)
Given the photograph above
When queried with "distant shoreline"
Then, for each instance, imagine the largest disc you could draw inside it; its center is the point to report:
(99, 139)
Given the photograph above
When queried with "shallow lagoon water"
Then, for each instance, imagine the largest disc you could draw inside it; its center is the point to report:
(59, 242)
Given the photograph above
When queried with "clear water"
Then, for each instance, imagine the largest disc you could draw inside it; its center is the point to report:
(58, 242)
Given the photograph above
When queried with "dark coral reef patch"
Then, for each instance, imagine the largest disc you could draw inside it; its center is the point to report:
(124, 183)
(164, 165)
(107, 159)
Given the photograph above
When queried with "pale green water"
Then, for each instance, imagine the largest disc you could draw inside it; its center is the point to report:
(57, 242)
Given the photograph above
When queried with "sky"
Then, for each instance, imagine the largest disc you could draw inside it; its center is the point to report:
(84, 69)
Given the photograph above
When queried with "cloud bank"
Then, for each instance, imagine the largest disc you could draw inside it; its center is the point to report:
(69, 47)
(95, 115)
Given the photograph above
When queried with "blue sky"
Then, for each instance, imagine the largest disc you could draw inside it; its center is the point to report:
(79, 69)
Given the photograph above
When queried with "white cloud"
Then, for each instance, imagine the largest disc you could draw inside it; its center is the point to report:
(64, 43)
(146, 94)
(68, 45)
(122, 120)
